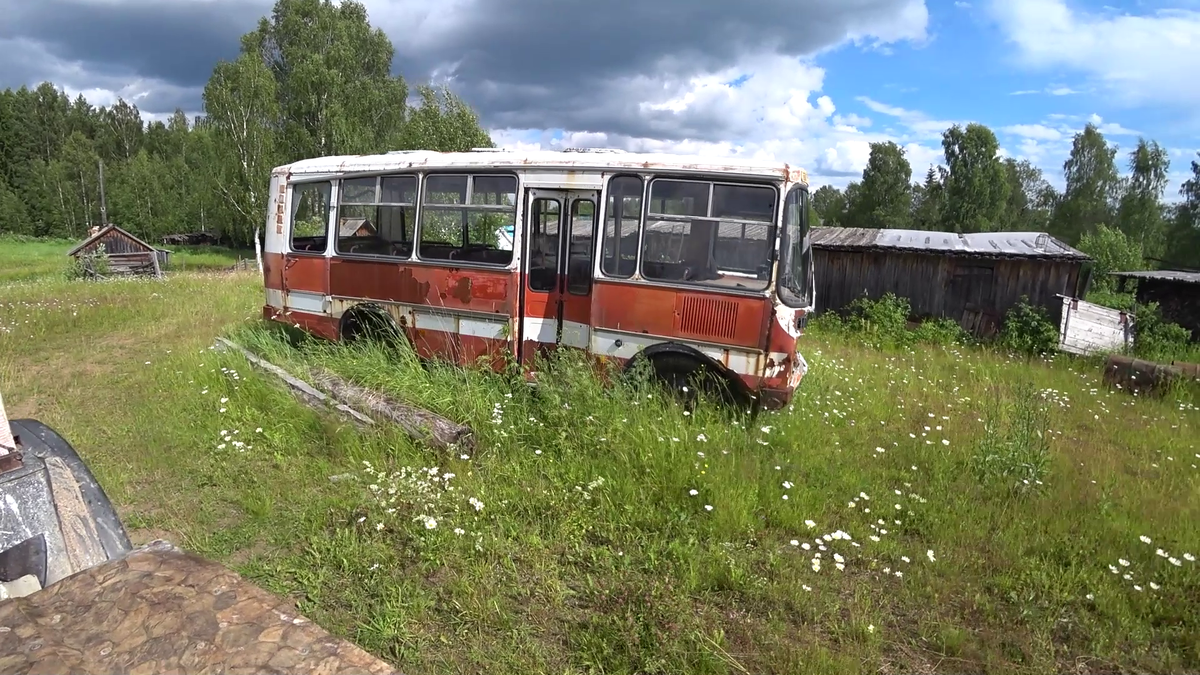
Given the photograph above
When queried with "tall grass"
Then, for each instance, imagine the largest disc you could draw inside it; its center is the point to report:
(881, 522)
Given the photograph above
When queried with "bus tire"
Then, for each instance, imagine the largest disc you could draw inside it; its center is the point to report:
(370, 322)
(686, 375)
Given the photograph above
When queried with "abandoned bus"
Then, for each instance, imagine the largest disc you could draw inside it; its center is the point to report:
(694, 264)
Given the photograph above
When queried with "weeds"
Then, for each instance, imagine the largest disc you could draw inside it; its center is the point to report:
(1158, 340)
(885, 323)
(622, 532)
(1014, 446)
(1028, 330)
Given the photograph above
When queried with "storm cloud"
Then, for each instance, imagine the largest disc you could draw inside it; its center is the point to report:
(661, 74)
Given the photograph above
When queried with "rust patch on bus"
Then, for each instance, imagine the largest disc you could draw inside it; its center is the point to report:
(409, 289)
(462, 290)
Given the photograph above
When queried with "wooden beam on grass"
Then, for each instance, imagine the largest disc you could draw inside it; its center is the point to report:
(418, 423)
(309, 394)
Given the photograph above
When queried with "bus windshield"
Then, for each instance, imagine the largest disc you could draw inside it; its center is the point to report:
(796, 259)
(709, 233)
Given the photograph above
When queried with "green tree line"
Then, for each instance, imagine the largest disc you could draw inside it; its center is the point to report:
(313, 79)
(1124, 219)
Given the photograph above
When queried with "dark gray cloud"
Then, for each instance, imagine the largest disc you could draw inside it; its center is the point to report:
(575, 64)
(168, 40)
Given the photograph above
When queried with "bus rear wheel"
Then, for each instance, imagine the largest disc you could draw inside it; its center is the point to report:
(686, 377)
(371, 325)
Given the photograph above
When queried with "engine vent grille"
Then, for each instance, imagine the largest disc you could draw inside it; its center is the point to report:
(706, 317)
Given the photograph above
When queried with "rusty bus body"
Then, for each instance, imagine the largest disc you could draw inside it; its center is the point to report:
(493, 256)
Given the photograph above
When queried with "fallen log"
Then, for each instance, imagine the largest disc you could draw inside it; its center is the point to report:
(418, 423)
(307, 392)
(1137, 375)
(1191, 370)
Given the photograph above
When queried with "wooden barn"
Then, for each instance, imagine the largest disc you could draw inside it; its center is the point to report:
(125, 253)
(973, 279)
(1177, 294)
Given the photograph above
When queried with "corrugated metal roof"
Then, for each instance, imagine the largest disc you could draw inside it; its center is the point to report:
(995, 244)
(1163, 275)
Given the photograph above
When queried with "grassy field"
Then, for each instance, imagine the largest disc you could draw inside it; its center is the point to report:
(919, 510)
(23, 258)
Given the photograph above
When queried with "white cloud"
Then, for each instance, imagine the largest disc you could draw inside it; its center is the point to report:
(1111, 128)
(852, 120)
(1033, 131)
(919, 125)
(775, 111)
(1139, 59)
(1052, 91)
(962, 5)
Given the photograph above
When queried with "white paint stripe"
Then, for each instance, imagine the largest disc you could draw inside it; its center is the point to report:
(579, 335)
(302, 301)
(576, 334)
(492, 330)
(430, 321)
(539, 329)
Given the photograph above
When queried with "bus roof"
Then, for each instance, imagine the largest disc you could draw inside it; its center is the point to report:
(603, 160)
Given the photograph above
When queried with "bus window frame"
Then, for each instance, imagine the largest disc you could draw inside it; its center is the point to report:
(378, 176)
(776, 223)
(602, 227)
(472, 172)
(292, 185)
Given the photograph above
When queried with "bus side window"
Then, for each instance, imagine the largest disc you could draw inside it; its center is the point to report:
(464, 216)
(579, 242)
(623, 214)
(310, 216)
(375, 215)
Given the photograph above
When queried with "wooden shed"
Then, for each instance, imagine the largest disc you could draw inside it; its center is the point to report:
(1176, 292)
(125, 253)
(973, 279)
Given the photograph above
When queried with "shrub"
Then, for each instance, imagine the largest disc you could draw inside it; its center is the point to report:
(1112, 251)
(884, 322)
(1155, 339)
(1122, 301)
(885, 319)
(1014, 447)
(942, 332)
(1028, 330)
(88, 265)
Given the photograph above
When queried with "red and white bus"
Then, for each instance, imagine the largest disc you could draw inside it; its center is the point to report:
(695, 264)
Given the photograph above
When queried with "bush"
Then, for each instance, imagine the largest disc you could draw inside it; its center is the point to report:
(1122, 301)
(884, 322)
(1028, 330)
(1113, 252)
(1014, 448)
(88, 265)
(1155, 339)
(942, 332)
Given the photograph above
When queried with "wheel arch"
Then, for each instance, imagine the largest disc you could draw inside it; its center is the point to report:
(731, 379)
(362, 317)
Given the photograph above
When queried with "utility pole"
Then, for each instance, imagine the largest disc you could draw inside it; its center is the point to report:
(103, 204)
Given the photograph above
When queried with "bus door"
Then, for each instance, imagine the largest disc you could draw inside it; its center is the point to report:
(560, 227)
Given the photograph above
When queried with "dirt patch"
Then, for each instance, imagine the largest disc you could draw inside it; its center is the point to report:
(143, 536)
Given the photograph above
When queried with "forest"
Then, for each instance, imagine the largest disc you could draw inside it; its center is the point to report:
(1124, 221)
(312, 79)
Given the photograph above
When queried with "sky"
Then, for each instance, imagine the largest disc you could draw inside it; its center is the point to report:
(810, 82)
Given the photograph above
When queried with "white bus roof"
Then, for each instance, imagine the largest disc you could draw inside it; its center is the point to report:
(602, 160)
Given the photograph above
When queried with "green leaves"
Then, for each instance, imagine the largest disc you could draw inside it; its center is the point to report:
(884, 198)
(976, 185)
